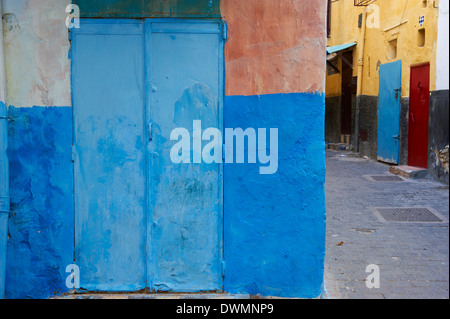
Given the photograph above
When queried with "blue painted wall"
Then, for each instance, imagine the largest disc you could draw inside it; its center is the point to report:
(41, 233)
(275, 224)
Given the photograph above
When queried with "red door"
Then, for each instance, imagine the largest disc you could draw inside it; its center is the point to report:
(419, 109)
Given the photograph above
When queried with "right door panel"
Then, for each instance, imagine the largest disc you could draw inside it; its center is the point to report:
(186, 220)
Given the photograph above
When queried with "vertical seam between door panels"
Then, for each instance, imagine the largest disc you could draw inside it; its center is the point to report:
(146, 155)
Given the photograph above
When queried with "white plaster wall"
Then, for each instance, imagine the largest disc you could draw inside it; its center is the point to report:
(442, 67)
(36, 53)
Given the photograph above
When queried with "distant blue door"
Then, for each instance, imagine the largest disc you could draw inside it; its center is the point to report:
(141, 220)
(389, 112)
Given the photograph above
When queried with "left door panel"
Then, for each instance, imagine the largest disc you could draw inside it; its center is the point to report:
(108, 78)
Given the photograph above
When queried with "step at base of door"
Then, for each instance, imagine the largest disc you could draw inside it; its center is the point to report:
(409, 172)
(151, 296)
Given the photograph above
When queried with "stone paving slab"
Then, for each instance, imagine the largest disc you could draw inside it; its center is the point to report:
(413, 258)
(409, 171)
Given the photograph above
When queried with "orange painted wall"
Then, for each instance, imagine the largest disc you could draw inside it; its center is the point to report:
(275, 46)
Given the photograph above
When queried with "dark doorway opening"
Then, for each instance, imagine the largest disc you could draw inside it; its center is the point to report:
(347, 91)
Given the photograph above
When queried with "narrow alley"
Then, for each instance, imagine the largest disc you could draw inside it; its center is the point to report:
(412, 256)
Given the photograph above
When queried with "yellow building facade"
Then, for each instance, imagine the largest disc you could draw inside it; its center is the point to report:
(362, 39)
(397, 20)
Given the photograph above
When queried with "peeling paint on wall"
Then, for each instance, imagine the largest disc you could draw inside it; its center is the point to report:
(36, 53)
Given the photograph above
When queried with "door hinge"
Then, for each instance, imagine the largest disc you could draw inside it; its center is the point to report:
(4, 204)
(225, 31)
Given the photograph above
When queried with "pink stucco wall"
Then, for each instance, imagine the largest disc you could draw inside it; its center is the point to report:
(275, 46)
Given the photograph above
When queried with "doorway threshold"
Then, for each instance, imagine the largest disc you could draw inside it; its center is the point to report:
(409, 172)
(158, 296)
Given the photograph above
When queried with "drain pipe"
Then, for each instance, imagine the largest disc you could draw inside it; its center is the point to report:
(361, 45)
(4, 165)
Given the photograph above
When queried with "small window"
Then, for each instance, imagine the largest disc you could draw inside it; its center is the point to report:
(392, 49)
(424, 3)
(421, 38)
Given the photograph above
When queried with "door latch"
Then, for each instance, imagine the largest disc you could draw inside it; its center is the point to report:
(150, 132)
(397, 91)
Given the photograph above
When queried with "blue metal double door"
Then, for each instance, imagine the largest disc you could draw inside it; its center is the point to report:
(142, 221)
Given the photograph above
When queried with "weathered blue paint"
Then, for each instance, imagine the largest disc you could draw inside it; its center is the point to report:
(186, 221)
(149, 8)
(4, 192)
(389, 112)
(275, 224)
(41, 237)
(135, 209)
(109, 155)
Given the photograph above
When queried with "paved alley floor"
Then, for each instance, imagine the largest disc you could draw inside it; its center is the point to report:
(413, 258)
